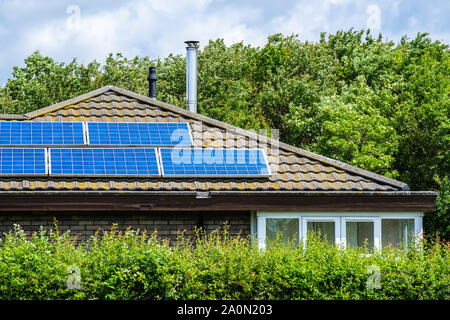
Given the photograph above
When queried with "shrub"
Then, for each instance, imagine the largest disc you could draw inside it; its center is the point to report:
(134, 265)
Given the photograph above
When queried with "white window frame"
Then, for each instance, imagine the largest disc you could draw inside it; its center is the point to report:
(340, 219)
(418, 224)
(261, 225)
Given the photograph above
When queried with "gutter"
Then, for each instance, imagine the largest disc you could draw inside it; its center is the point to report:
(227, 193)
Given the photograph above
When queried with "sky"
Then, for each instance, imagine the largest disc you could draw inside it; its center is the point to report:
(88, 30)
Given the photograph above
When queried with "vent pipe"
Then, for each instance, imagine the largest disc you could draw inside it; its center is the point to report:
(152, 82)
(191, 75)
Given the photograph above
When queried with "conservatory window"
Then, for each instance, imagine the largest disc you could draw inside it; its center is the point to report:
(397, 231)
(328, 228)
(349, 230)
(288, 228)
(359, 234)
(325, 229)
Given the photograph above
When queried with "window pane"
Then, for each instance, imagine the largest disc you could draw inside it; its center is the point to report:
(396, 231)
(325, 229)
(359, 232)
(286, 226)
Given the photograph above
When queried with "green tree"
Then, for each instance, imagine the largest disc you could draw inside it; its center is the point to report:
(43, 82)
(352, 96)
(422, 117)
(352, 128)
(438, 221)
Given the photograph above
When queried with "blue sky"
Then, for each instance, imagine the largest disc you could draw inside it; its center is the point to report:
(89, 30)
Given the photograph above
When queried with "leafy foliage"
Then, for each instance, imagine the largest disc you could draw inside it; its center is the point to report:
(215, 266)
(377, 105)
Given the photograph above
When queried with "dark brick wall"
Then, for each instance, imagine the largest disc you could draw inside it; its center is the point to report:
(167, 224)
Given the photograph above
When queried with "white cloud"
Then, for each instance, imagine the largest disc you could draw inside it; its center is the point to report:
(139, 28)
(308, 19)
(91, 29)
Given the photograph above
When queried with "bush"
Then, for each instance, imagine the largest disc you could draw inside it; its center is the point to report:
(133, 265)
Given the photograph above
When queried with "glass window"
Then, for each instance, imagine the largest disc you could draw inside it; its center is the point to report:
(288, 227)
(396, 231)
(358, 232)
(325, 229)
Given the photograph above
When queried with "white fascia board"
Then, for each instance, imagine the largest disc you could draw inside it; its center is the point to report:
(390, 215)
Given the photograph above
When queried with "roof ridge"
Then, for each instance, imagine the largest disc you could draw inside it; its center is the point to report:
(213, 122)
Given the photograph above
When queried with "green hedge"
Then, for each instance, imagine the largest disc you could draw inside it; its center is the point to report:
(139, 266)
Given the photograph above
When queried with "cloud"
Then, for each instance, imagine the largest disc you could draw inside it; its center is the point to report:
(143, 27)
(91, 29)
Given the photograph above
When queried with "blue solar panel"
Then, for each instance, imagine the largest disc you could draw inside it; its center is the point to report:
(26, 161)
(104, 161)
(41, 133)
(213, 162)
(139, 133)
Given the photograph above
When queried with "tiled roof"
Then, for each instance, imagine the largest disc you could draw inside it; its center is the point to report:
(297, 169)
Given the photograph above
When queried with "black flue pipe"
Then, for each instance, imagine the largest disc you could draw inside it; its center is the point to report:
(152, 82)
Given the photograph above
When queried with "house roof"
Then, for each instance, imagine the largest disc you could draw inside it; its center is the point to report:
(293, 169)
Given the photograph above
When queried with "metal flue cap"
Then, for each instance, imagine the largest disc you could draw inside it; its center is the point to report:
(192, 43)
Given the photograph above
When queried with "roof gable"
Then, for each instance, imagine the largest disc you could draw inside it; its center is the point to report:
(298, 169)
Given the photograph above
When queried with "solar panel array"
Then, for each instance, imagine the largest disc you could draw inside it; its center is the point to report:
(23, 161)
(213, 162)
(139, 133)
(104, 161)
(41, 133)
(118, 149)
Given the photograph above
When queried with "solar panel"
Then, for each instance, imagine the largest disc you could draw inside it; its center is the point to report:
(139, 133)
(41, 133)
(104, 161)
(22, 161)
(183, 162)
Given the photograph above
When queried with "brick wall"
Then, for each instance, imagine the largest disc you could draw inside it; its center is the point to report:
(167, 224)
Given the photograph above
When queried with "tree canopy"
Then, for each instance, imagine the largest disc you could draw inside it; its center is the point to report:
(351, 96)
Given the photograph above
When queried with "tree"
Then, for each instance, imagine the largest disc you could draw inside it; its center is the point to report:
(422, 117)
(350, 96)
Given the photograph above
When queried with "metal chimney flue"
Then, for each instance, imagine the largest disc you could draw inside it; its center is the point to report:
(191, 75)
(152, 82)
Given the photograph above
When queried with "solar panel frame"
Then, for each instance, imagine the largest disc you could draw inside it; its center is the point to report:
(86, 134)
(14, 138)
(196, 175)
(93, 138)
(52, 169)
(28, 170)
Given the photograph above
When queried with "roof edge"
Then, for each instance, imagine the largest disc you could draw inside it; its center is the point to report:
(230, 193)
(13, 117)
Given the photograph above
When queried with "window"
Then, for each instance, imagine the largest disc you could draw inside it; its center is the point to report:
(287, 227)
(359, 234)
(360, 231)
(350, 229)
(397, 231)
(326, 230)
(326, 227)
